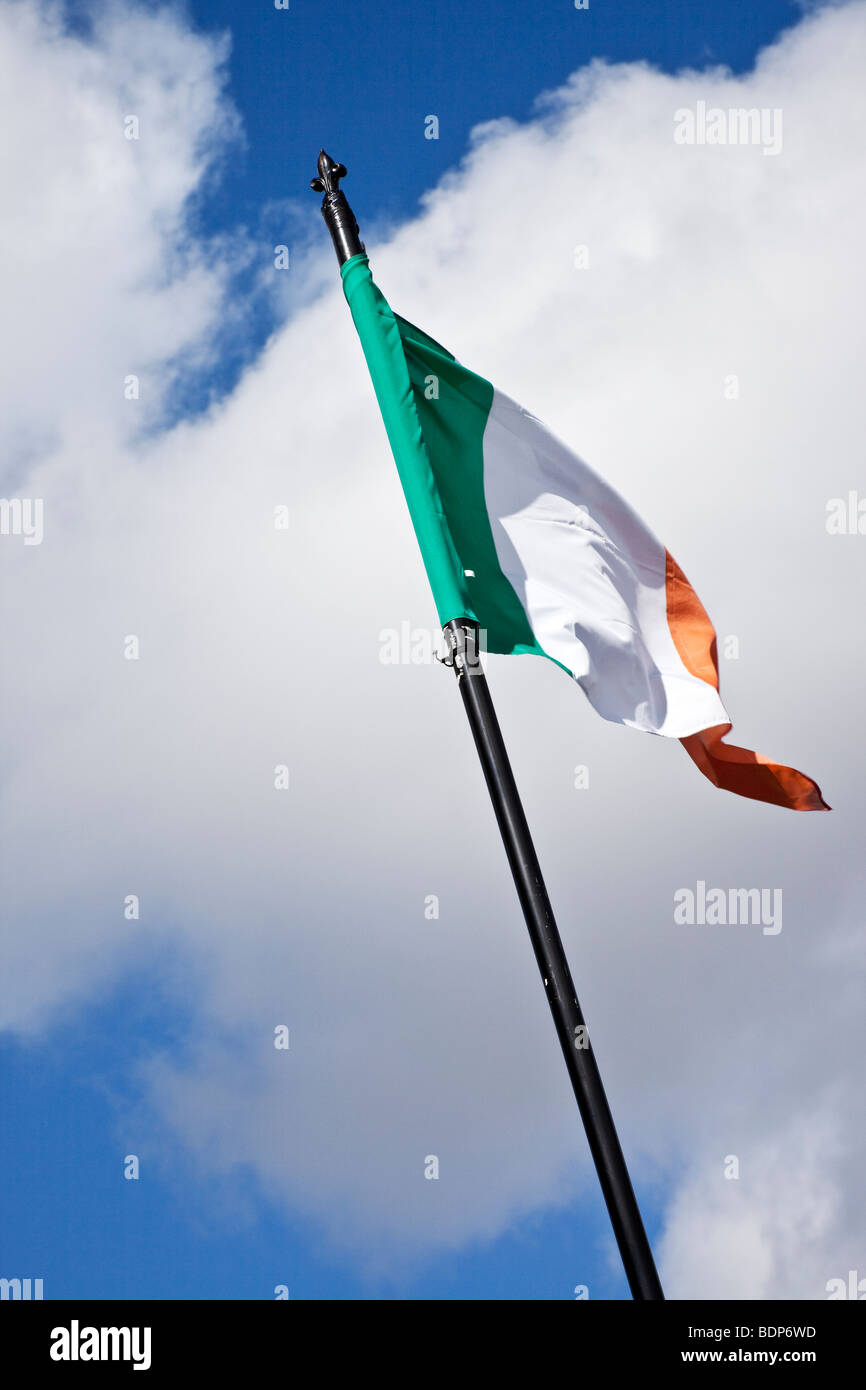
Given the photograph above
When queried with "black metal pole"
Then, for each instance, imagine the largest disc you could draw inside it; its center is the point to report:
(571, 1029)
(462, 637)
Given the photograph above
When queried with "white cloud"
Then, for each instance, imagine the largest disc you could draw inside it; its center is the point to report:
(412, 1037)
(778, 1229)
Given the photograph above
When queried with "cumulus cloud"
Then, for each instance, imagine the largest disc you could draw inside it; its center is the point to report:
(262, 646)
(776, 1226)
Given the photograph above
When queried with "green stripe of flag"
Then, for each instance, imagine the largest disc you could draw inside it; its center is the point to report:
(435, 412)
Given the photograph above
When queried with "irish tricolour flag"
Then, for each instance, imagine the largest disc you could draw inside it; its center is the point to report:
(518, 534)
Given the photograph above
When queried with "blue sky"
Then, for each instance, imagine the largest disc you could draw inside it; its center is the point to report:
(360, 80)
(69, 1217)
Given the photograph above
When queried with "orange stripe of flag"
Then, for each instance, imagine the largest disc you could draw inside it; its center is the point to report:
(734, 769)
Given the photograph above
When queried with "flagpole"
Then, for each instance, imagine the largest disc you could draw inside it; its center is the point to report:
(462, 637)
(571, 1029)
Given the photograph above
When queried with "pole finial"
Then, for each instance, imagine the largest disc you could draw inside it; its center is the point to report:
(339, 217)
(330, 174)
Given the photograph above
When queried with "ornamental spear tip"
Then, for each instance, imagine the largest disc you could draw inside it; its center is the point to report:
(339, 218)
